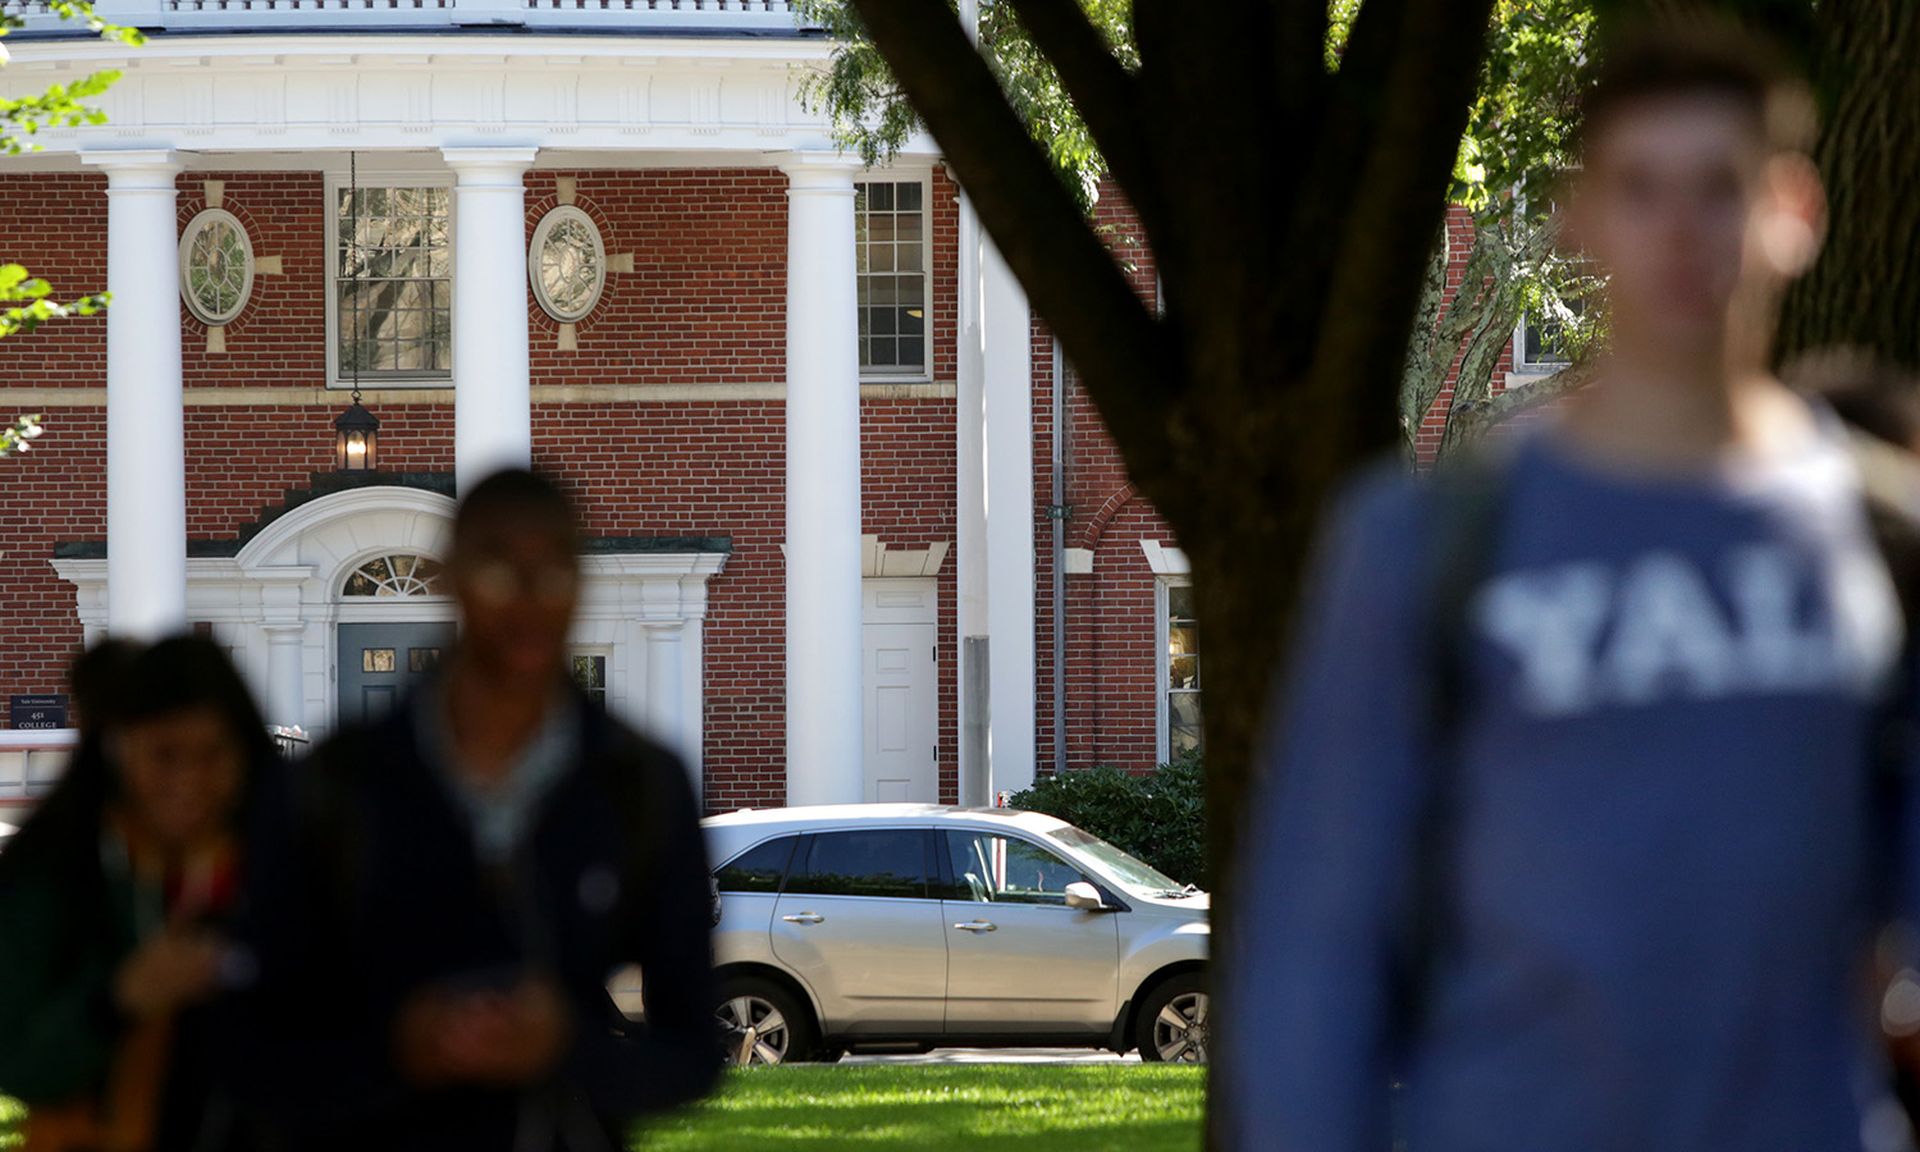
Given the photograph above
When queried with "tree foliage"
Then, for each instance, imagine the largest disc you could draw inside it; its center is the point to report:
(1160, 818)
(26, 301)
(871, 114)
(1519, 139)
(14, 437)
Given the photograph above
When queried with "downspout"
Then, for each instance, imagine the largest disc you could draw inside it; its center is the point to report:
(1057, 513)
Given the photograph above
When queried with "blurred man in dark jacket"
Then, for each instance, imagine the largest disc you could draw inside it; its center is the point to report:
(468, 871)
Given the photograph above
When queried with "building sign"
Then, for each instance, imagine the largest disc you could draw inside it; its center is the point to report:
(38, 712)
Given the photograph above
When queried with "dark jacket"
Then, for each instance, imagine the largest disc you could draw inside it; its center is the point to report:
(386, 897)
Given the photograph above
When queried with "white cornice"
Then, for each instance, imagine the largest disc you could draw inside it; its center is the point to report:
(713, 101)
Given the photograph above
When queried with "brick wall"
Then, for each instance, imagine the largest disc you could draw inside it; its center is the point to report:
(1110, 640)
(56, 491)
(56, 225)
(279, 339)
(704, 305)
(706, 300)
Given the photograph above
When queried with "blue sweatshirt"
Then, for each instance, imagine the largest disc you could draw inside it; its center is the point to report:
(1655, 890)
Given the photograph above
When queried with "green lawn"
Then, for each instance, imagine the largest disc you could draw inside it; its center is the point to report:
(893, 1108)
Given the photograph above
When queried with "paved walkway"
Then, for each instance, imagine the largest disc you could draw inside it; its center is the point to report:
(998, 1056)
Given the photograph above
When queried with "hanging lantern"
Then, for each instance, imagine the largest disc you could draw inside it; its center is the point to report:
(356, 439)
(356, 434)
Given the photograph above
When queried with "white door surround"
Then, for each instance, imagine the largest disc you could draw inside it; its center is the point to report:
(276, 602)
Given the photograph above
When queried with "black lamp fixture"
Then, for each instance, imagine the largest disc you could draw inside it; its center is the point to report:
(356, 434)
(356, 439)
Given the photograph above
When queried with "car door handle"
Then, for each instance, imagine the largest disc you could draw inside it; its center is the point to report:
(804, 918)
(976, 926)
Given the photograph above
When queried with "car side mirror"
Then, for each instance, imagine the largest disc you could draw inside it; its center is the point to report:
(1084, 897)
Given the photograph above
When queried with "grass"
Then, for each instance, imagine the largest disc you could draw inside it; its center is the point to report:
(893, 1108)
(896, 1108)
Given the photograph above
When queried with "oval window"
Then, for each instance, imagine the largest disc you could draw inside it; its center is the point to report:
(216, 266)
(567, 263)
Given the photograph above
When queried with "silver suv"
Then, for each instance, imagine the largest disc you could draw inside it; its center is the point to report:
(906, 927)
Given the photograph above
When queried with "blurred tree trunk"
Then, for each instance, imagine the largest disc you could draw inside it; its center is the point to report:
(1290, 211)
(1865, 289)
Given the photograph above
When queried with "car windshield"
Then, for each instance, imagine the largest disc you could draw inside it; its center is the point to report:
(1132, 872)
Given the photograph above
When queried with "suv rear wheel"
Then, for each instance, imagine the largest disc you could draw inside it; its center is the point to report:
(1172, 1025)
(762, 1023)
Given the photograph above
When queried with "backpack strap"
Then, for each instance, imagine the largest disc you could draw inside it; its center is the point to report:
(1890, 494)
(1469, 504)
(1890, 490)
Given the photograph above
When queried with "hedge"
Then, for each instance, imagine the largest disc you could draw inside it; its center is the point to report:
(1159, 816)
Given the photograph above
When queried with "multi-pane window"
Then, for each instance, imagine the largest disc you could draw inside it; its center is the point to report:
(1542, 336)
(393, 282)
(590, 673)
(397, 574)
(890, 241)
(1182, 654)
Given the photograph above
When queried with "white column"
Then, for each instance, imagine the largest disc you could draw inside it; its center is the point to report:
(284, 674)
(146, 457)
(970, 528)
(824, 725)
(1010, 512)
(492, 405)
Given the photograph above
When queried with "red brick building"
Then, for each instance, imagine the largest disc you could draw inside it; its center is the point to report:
(614, 245)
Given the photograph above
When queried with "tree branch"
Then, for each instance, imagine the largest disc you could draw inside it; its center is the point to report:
(1069, 275)
(1300, 76)
(1414, 70)
(1337, 154)
(1106, 96)
(1475, 421)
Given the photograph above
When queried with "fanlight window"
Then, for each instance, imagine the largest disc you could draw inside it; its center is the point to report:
(395, 576)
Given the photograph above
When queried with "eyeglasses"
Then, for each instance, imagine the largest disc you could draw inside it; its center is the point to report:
(503, 582)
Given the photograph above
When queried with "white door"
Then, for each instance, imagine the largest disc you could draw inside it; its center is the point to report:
(899, 682)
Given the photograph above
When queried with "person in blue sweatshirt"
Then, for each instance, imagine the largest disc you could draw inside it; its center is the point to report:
(1618, 897)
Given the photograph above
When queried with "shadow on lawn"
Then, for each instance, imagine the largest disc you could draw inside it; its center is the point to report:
(895, 1109)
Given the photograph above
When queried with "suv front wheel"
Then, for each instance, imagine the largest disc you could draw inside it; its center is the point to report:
(1172, 1025)
(761, 1023)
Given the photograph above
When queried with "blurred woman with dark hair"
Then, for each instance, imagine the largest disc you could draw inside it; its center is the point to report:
(116, 903)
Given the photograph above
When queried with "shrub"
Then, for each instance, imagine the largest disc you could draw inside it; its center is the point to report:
(1159, 817)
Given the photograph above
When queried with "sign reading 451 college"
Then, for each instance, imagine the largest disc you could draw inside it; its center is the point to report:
(38, 712)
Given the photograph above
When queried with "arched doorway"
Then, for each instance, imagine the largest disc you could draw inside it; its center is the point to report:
(400, 644)
(301, 601)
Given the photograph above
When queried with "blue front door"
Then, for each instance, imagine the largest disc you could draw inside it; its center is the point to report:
(381, 663)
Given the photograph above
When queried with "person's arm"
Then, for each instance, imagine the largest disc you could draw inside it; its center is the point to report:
(675, 1056)
(1325, 868)
(58, 1024)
